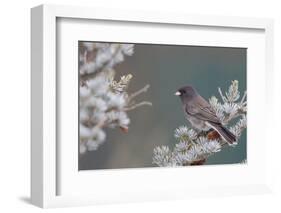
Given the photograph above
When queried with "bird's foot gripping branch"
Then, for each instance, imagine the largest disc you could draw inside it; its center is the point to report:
(193, 147)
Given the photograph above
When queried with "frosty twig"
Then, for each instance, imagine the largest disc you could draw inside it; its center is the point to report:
(135, 94)
(104, 102)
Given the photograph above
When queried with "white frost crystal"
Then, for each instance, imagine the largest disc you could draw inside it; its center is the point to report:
(102, 55)
(163, 157)
(184, 134)
(104, 102)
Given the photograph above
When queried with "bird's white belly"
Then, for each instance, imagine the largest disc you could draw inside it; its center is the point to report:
(198, 124)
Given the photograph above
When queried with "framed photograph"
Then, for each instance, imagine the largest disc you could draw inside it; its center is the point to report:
(130, 106)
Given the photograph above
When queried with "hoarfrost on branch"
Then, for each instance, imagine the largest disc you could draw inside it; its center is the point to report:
(194, 147)
(104, 100)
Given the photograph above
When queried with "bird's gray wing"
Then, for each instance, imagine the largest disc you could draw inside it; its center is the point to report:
(202, 110)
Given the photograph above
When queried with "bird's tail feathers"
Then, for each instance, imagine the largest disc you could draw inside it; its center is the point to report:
(228, 136)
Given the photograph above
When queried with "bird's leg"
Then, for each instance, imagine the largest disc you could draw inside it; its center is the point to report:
(202, 133)
(210, 130)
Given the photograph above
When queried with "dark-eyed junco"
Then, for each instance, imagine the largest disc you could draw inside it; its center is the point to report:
(200, 113)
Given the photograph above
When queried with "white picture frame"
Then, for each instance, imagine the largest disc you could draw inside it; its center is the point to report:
(48, 168)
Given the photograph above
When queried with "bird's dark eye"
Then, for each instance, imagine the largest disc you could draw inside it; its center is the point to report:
(182, 92)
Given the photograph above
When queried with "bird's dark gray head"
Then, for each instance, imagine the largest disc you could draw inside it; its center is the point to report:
(186, 93)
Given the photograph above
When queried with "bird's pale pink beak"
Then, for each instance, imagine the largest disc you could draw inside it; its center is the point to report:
(177, 93)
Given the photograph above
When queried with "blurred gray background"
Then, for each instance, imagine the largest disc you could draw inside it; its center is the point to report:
(166, 68)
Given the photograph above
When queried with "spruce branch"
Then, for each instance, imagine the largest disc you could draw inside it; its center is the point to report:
(137, 93)
(143, 103)
(194, 148)
(104, 102)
